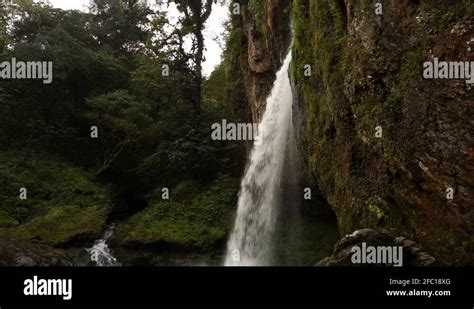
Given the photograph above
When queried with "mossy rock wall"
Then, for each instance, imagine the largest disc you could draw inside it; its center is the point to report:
(366, 71)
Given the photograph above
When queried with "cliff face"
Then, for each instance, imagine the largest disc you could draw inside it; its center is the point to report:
(366, 77)
(266, 26)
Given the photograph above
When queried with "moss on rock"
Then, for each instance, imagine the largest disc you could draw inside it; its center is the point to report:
(186, 222)
(367, 72)
(63, 203)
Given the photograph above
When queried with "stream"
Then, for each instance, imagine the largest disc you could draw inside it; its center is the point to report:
(100, 253)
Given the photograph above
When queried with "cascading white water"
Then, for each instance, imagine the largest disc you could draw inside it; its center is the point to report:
(251, 241)
(100, 252)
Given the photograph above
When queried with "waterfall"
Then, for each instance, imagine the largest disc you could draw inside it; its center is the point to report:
(100, 252)
(252, 240)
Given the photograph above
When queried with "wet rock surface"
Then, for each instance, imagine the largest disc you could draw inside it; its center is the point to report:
(17, 253)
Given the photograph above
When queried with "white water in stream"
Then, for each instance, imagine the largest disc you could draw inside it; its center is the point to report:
(100, 253)
(252, 240)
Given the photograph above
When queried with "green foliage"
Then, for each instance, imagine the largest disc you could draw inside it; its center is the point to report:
(119, 113)
(62, 204)
(234, 44)
(199, 223)
(6, 220)
(121, 120)
(61, 226)
(186, 191)
(108, 73)
(259, 12)
(123, 24)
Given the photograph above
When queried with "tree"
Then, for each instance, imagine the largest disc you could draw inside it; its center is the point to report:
(120, 119)
(196, 14)
(122, 25)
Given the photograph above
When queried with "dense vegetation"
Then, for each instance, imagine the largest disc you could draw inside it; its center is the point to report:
(153, 128)
(128, 118)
